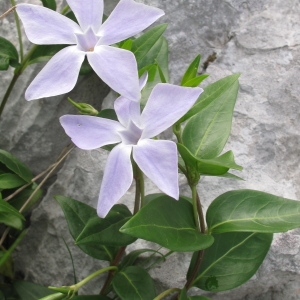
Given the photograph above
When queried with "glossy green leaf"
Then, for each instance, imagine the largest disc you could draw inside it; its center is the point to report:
(143, 44)
(195, 81)
(8, 54)
(42, 53)
(10, 181)
(191, 71)
(216, 91)
(15, 165)
(106, 231)
(232, 260)
(49, 4)
(206, 133)
(214, 167)
(250, 210)
(169, 223)
(30, 291)
(10, 216)
(134, 283)
(78, 215)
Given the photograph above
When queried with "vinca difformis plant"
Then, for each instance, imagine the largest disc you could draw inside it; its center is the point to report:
(227, 245)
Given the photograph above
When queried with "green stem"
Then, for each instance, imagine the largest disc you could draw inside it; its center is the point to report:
(140, 187)
(65, 10)
(177, 132)
(13, 3)
(166, 293)
(195, 207)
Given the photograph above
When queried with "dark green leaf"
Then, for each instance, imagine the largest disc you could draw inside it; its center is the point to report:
(85, 68)
(134, 283)
(10, 181)
(97, 297)
(213, 92)
(78, 215)
(30, 291)
(42, 53)
(143, 44)
(206, 133)
(8, 54)
(183, 296)
(6, 267)
(196, 81)
(10, 216)
(232, 260)
(249, 210)
(169, 223)
(108, 114)
(49, 4)
(214, 167)
(191, 71)
(15, 165)
(106, 231)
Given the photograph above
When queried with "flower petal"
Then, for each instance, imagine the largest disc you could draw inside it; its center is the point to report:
(127, 19)
(59, 76)
(88, 14)
(166, 105)
(88, 132)
(118, 69)
(44, 26)
(143, 80)
(117, 179)
(127, 111)
(158, 160)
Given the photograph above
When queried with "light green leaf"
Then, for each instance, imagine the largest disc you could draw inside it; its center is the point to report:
(169, 223)
(10, 181)
(49, 4)
(191, 71)
(15, 165)
(213, 92)
(206, 133)
(105, 231)
(249, 210)
(195, 81)
(134, 283)
(78, 215)
(10, 216)
(232, 260)
(30, 291)
(8, 54)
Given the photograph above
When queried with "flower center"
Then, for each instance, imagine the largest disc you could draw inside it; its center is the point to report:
(131, 135)
(87, 41)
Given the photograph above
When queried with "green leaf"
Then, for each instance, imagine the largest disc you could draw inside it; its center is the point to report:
(10, 216)
(214, 167)
(49, 4)
(78, 215)
(18, 201)
(42, 53)
(143, 44)
(10, 181)
(134, 283)
(108, 113)
(191, 71)
(214, 91)
(195, 81)
(206, 133)
(249, 210)
(106, 231)
(169, 223)
(126, 45)
(15, 165)
(30, 291)
(183, 296)
(95, 297)
(232, 260)
(8, 54)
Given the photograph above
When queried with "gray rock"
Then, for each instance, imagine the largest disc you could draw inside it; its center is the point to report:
(261, 40)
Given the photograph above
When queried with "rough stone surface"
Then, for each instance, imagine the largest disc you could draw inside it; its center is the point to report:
(258, 38)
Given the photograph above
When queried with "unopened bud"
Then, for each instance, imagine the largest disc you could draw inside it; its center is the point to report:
(84, 108)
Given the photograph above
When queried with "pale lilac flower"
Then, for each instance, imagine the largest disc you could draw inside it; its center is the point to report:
(116, 67)
(156, 158)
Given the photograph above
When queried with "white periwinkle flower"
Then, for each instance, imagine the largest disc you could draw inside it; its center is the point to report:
(157, 159)
(116, 67)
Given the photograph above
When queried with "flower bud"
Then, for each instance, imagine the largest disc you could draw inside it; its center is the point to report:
(84, 108)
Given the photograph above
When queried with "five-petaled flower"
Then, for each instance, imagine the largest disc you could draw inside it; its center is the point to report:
(115, 66)
(157, 159)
